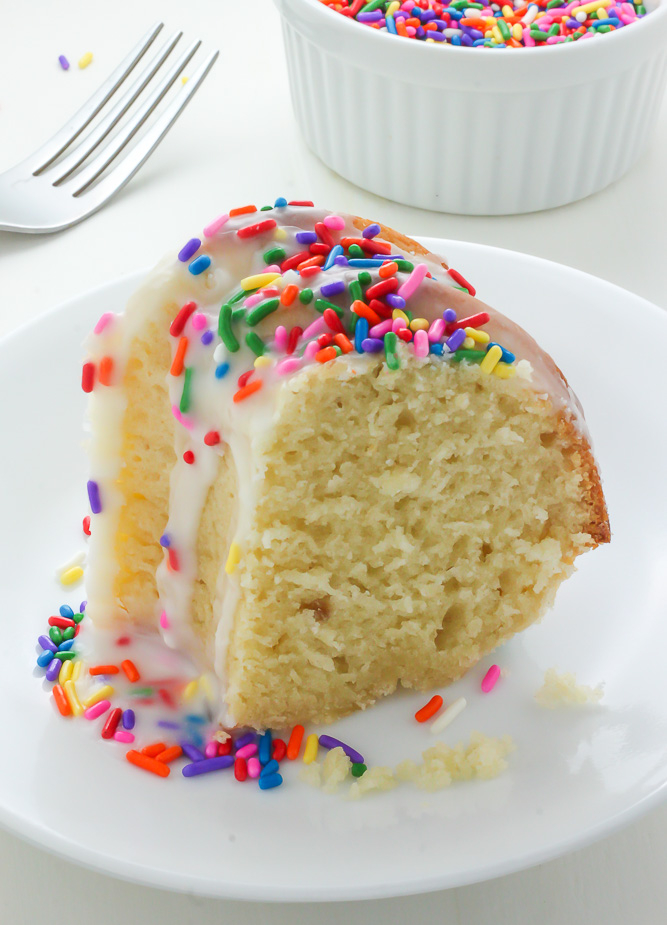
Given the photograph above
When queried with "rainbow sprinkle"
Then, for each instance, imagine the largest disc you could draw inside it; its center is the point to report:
(491, 25)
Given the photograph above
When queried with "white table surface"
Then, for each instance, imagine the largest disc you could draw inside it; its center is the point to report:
(237, 143)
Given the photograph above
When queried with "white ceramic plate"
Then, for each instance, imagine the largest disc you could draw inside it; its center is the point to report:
(575, 775)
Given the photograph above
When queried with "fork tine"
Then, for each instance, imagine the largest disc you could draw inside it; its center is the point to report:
(92, 171)
(124, 172)
(102, 129)
(44, 156)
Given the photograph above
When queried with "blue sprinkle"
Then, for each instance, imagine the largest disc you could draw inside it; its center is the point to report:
(334, 288)
(221, 371)
(372, 344)
(165, 540)
(66, 611)
(391, 25)
(189, 250)
(306, 237)
(436, 348)
(280, 203)
(269, 768)
(47, 643)
(270, 781)
(506, 357)
(200, 264)
(195, 718)
(66, 646)
(44, 658)
(197, 738)
(367, 261)
(360, 335)
(265, 743)
(336, 251)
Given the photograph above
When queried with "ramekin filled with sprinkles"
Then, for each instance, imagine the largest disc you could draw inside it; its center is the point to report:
(477, 108)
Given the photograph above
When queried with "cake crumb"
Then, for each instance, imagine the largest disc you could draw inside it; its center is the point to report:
(563, 690)
(311, 774)
(375, 779)
(336, 768)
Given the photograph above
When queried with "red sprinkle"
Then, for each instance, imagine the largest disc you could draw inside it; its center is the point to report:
(472, 321)
(309, 272)
(300, 202)
(430, 709)
(279, 750)
(333, 321)
(86, 524)
(293, 262)
(384, 311)
(172, 558)
(61, 622)
(177, 325)
(88, 377)
(130, 670)
(293, 339)
(188, 457)
(212, 438)
(380, 289)
(462, 281)
(243, 378)
(225, 748)
(240, 769)
(319, 248)
(252, 230)
(325, 340)
(112, 723)
(166, 697)
(324, 234)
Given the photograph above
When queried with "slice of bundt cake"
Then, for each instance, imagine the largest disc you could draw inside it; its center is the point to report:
(324, 468)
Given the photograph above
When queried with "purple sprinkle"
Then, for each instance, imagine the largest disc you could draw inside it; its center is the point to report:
(370, 231)
(129, 719)
(420, 32)
(94, 497)
(168, 724)
(396, 301)
(189, 250)
(372, 345)
(341, 261)
(46, 643)
(449, 315)
(82, 606)
(306, 237)
(247, 739)
(334, 288)
(206, 338)
(165, 540)
(375, 16)
(53, 669)
(191, 751)
(330, 742)
(454, 342)
(427, 15)
(64, 63)
(208, 764)
(467, 40)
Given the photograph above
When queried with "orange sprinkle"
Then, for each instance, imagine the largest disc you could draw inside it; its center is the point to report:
(294, 744)
(154, 749)
(342, 341)
(242, 210)
(315, 261)
(148, 763)
(328, 353)
(248, 390)
(400, 27)
(363, 310)
(169, 754)
(103, 669)
(289, 294)
(106, 370)
(130, 670)
(430, 709)
(179, 356)
(61, 700)
(388, 269)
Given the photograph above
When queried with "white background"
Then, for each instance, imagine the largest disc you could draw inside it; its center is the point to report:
(238, 143)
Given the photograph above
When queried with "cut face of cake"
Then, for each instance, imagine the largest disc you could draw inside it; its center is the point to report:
(323, 468)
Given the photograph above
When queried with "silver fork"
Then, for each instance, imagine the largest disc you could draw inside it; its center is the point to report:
(56, 186)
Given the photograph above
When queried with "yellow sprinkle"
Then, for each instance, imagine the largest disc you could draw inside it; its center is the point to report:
(184, 80)
(72, 697)
(496, 33)
(263, 361)
(419, 324)
(468, 344)
(602, 13)
(102, 693)
(72, 575)
(490, 361)
(589, 7)
(504, 371)
(393, 6)
(426, 41)
(206, 686)
(190, 690)
(279, 234)
(397, 313)
(517, 31)
(233, 558)
(508, 11)
(65, 673)
(310, 751)
(480, 337)
(78, 668)
(258, 280)
(85, 61)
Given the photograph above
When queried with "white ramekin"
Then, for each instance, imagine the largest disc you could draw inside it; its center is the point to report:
(471, 130)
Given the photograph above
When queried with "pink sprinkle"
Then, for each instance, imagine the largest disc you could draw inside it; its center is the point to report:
(253, 299)
(254, 767)
(421, 343)
(311, 349)
(280, 338)
(247, 751)
(164, 620)
(379, 330)
(555, 39)
(413, 281)
(288, 365)
(216, 225)
(176, 411)
(319, 326)
(274, 268)
(103, 322)
(436, 330)
(199, 321)
(97, 709)
(335, 222)
(123, 736)
(528, 40)
(211, 750)
(490, 678)
(398, 324)
(411, 31)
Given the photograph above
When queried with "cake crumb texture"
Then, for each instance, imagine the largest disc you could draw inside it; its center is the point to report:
(563, 690)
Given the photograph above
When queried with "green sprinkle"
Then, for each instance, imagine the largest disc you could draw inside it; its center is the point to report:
(225, 332)
(255, 343)
(321, 305)
(141, 692)
(356, 292)
(390, 340)
(552, 3)
(462, 288)
(274, 255)
(358, 770)
(641, 9)
(374, 5)
(78, 617)
(405, 266)
(238, 315)
(56, 635)
(459, 4)
(554, 30)
(337, 349)
(266, 208)
(241, 295)
(185, 394)
(68, 633)
(473, 356)
(352, 322)
(306, 296)
(261, 312)
(365, 278)
(604, 29)
(538, 35)
(355, 251)
(65, 656)
(504, 30)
